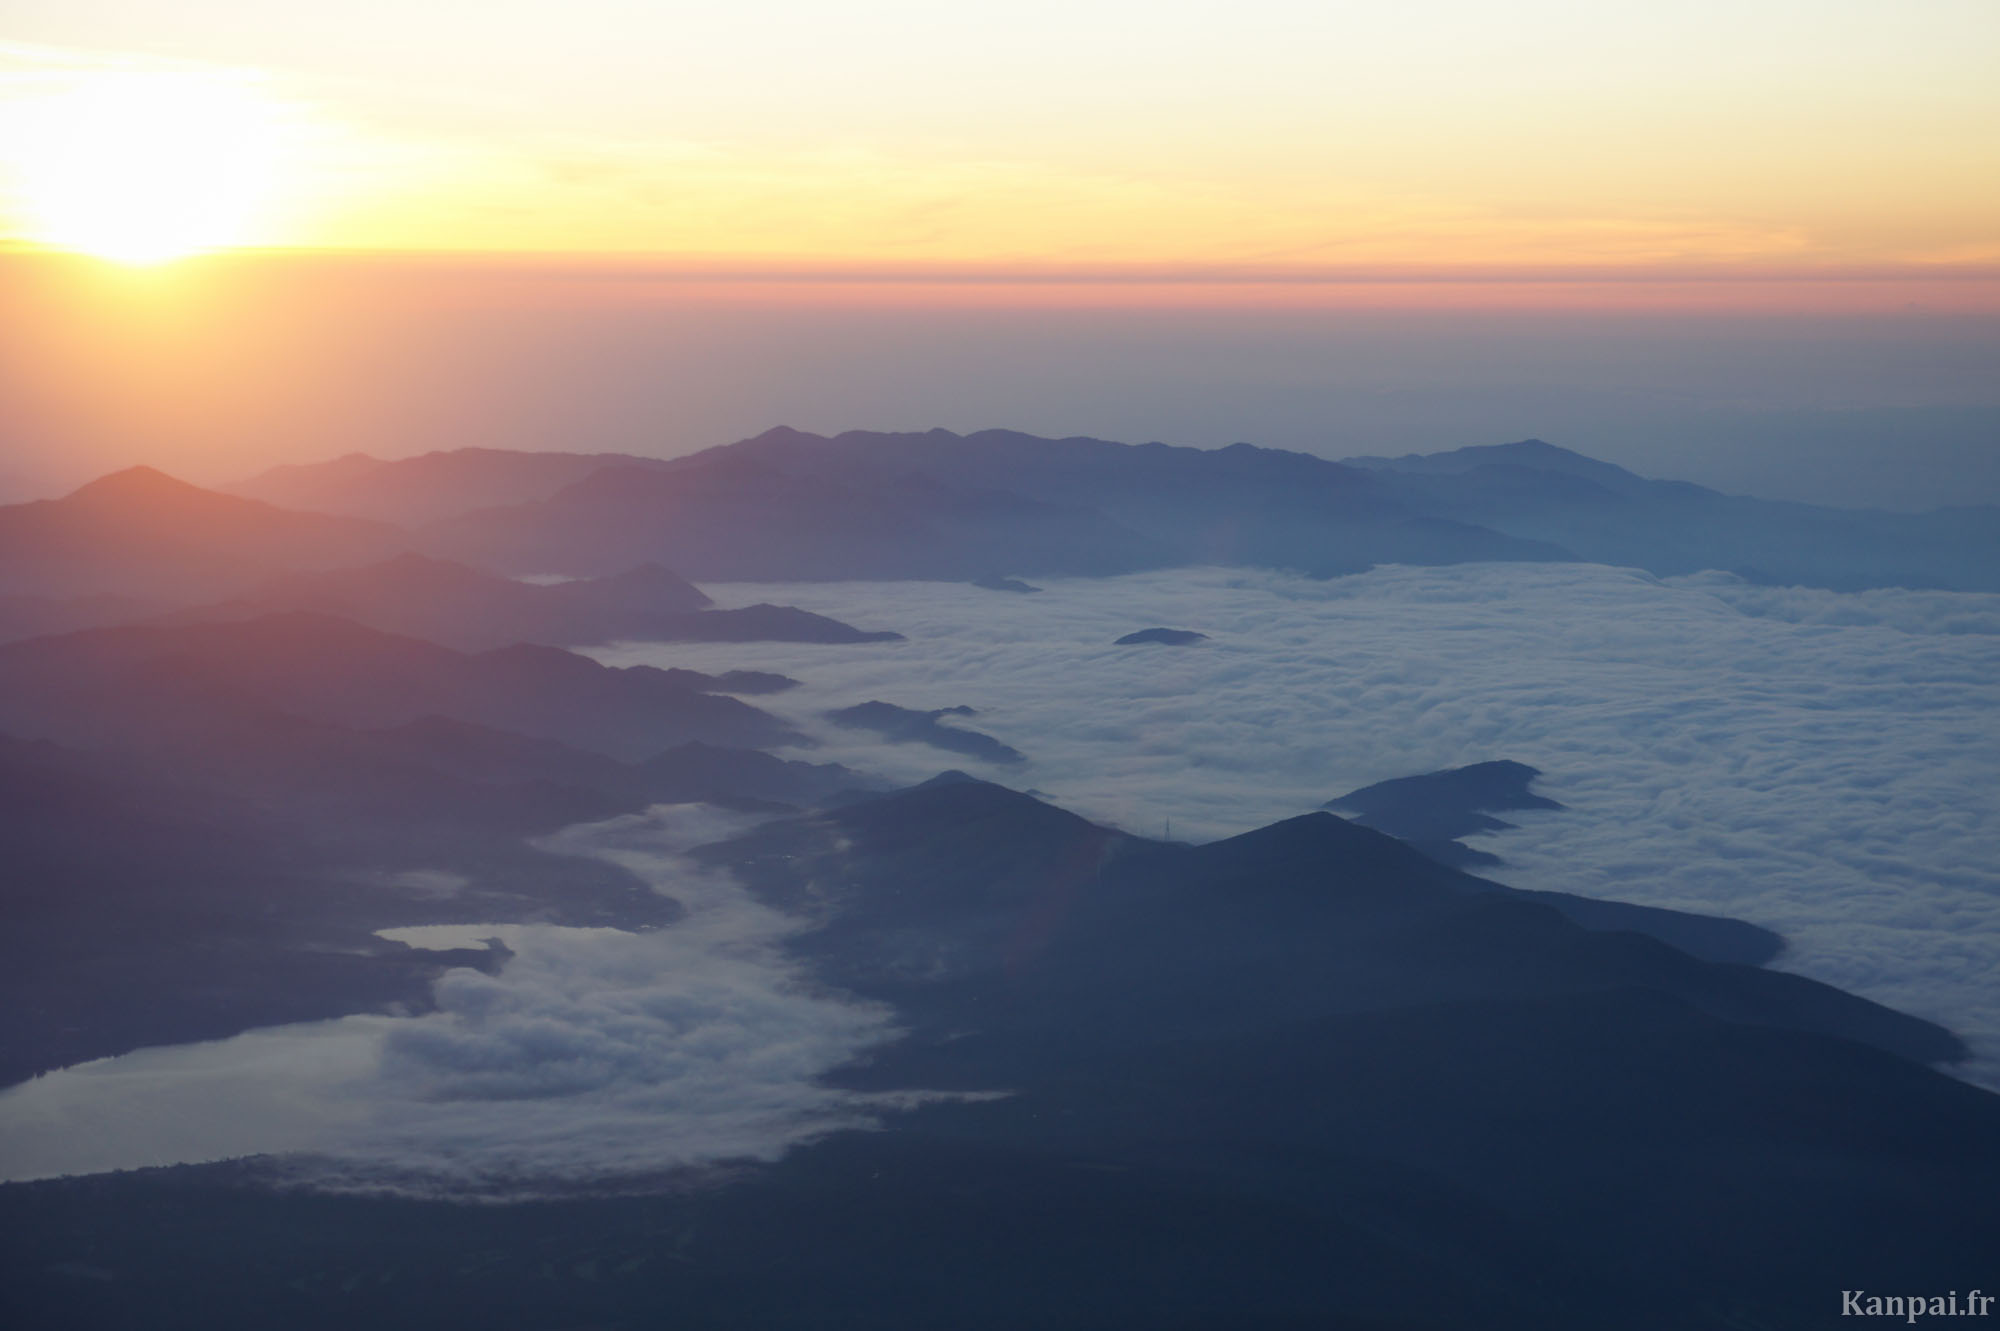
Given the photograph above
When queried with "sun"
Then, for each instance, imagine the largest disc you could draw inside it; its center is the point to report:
(143, 168)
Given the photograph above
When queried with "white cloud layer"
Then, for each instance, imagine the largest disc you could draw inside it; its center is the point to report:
(1821, 763)
(1878, 607)
(594, 1056)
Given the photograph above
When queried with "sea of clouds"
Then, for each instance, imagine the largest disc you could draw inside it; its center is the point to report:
(1825, 764)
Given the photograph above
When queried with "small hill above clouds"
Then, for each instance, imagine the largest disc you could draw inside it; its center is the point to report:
(904, 725)
(1162, 637)
(1437, 808)
(142, 533)
(1000, 584)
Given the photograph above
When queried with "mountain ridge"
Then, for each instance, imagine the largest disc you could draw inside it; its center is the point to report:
(939, 504)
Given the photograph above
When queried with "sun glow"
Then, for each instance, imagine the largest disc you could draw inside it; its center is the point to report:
(143, 168)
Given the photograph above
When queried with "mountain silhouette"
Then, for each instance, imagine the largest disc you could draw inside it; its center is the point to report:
(1164, 637)
(787, 504)
(1237, 505)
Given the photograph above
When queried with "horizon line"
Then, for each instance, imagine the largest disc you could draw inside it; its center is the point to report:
(681, 267)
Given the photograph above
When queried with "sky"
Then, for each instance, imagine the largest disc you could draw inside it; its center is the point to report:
(1776, 134)
(1709, 239)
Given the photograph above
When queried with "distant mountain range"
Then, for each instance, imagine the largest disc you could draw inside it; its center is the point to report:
(728, 517)
(976, 508)
(1607, 515)
(787, 505)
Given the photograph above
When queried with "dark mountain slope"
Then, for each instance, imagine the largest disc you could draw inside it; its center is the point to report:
(112, 686)
(1301, 1078)
(472, 611)
(967, 897)
(197, 882)
(1314, 1015)
(139, 911)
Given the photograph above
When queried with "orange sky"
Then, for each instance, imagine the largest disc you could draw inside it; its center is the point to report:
(1767, 136)
(392, 225)
(215, 367)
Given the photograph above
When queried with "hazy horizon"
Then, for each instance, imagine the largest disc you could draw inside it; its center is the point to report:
(216, 369)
